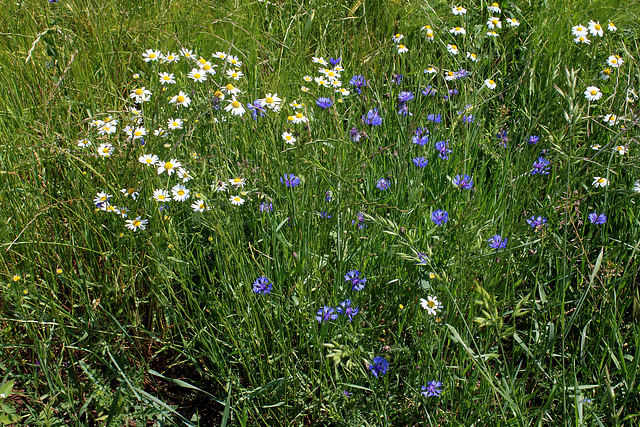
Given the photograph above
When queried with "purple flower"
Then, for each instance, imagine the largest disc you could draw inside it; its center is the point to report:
(436, 118)
(372, 118)
(325, 215)
(379, 366)
(262, 285)
(597, 219)
(422, 258)
(541, 166)
(533, 139)
(359, 221)
(420, 162)
(324, 102)
(358, 81)
(536, 222)
(326, 313)
(461, 74)
(432, 389)
(357, 282)
(397, 78)
(346, 394)
(355, 134)
(403, 109)
(439, 217)
(266, 207)
(502, 136)
(428, 91)
(443, 149)
(420, 140)
(255, 108)
(328, 196)
(334, 61)
(346, 309)
(463, 181)
(382, 184)
(497, 242)
(405, 96)
(468, 118)
(290, 180)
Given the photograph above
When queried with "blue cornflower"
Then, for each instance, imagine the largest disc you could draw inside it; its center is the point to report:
(346, 309)
(405, 96)
(461, 74)
(262, 285)
(439, 217)
(379, 366)
(372, 118)
(420, 162)
(334, 61)
(382, 184)
(266, 207)
(502, 136)
(453, 91)
(432, 389)
(497, 242)
(436, 118)
(420, 140)
(463, 181)
(397, 78)
(324, 102)
(468, 118)
(541, 166)
(255, 108)
(355, 134)
(346, 394)
(358, 81)
(443, 149)
(326, 313)
(422, 258)
(597, 219)
(328, 196)
(357, 282)
(290, 180)
(536, 222)
(359, 221)
(534, 139)
(429, 91)
(403, 109)
(325, 215)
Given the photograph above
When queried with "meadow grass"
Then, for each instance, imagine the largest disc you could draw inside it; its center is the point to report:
(104, 325)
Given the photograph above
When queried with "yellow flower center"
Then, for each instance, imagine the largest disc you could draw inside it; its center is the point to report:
(235, 104)
(131, 191)
(168, 165)
(149, 161)
(454, 47)
(161, 197)
(458, 28)
(202, 61)
(166, 78)
(398, 35)
(594, 92)
(105, 150)
(269, 100)
(197, 75)
(201, 206)
(400, 46)
(206, 67)
(606, 71)
(491, 82)
(234, 75)
(138, 133)
(299, 115)
(152, 56)
(181, 98)
(136, 223)
(233, 61)
(180, 192)
(290, 118)
(430, 34)
(598, 27)
(288, 137)
(494, 21)
(217, 93)
(614, 61)
(139, 92)
(170, 57)
(175, 124)
(229, 87)
(450, 73)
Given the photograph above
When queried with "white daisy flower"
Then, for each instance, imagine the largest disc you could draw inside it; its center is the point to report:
(402, 48)
(151, 55)
(490, 84)
(611, 119)
(135, 224)
(101, 197)
(605, 74)
(458, 30)
(397, 38)
(621, 149)
(233, 60)
(611, 27)
(184, 174)
(592, 93)
(231, 89)
(83, 143)
(234, 74)
(430, 70)
(298, 118)
(105, 149)
(492, 34)
(148, 159)
(197, 75)
(472, 56)
(174, 124)
(270, 101)
(431, 304)
(513, 23)
(494, 8)
(458, 10)
(198, 206)
(221, 186)
(220, 55)
(170, 57)
(579, 31)
(494, 22)
(166, 78)
(600, 181)
(237, 182)
(289, 138)
(161, 195)
(160, 132)
(453, 49)
(181, 99)
(236, 200)
(180, 193)
(596, 29)
(582, 39)
(614, 61)
(169, 166)
(140, 95)
(320, 60)
(130, 192)
(187, 53)
(235, 107)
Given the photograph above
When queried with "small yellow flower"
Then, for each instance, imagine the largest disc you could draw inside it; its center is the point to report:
(59, 271)
(170, 246)
(25, 291)
(432, 275)
(211, 238)
(16, 278)
(401, 307)
(166, 217)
